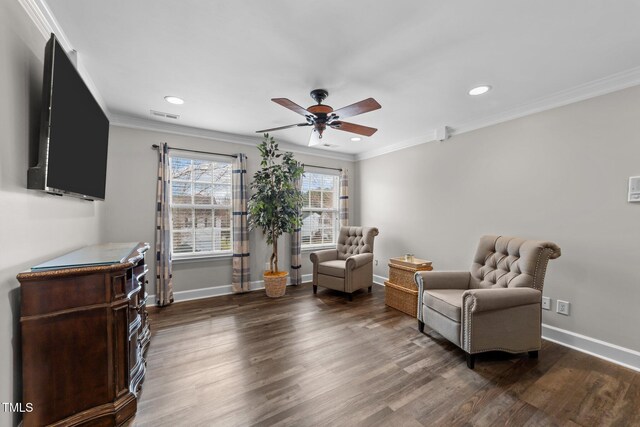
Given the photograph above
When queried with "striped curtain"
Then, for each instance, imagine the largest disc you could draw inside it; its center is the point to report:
(344, 198)
(295, 275)
(164, 277)
(240, 275)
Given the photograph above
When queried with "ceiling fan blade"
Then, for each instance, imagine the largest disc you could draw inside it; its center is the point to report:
(354, 128)
(363, 106)
(287, 103)
(314, 139)
(283, 127)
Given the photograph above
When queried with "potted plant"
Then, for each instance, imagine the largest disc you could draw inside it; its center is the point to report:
(275, 205)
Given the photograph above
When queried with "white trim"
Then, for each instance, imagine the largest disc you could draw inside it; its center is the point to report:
(44, 20)
(379, 280)
(215, 291)
(601, 349)
(131, 122)
(304, 248)
(46, 23)
(429, 137)
(200, 258)
(604, 350)
(618, 81)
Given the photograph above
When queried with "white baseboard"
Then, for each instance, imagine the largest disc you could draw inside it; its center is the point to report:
(379, 280)
(611, 352)
(215, 291)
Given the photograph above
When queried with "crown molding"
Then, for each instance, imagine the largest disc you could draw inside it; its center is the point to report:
(132, 122)
(46, 23)
(592, 89)
(429, 137)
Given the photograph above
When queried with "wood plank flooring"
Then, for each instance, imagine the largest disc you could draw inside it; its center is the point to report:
(304, 360)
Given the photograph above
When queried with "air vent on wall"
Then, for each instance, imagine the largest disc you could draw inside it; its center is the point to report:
(164, 115)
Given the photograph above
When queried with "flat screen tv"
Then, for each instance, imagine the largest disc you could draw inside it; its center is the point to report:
(74, 132)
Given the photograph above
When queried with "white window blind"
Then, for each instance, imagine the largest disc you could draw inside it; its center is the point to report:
(319, 209)
(200, 207)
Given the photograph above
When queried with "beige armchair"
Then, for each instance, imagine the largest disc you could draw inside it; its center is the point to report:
(349, 267)
(495, 306)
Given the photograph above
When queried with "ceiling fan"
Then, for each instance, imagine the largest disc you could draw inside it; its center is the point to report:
(321, 115)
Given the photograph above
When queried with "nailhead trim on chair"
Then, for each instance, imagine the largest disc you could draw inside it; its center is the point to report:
(548, 253)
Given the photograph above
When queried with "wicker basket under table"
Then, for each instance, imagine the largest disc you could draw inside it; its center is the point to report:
(401, 291)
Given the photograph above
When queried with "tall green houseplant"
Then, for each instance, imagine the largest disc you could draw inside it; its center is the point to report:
(275, 204)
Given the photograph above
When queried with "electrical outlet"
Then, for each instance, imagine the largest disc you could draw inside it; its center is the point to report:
(546, 303)
(562, 307)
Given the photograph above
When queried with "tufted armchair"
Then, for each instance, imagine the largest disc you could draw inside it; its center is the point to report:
(495, 306)
(349, 267)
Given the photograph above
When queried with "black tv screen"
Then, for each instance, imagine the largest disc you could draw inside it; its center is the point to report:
(74, 132)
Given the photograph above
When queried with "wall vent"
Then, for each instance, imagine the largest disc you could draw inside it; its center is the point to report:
(164, 115)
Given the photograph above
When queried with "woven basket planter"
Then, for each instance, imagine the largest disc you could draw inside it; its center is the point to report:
(275, 284)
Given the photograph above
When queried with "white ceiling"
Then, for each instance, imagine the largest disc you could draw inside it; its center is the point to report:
(227, 59)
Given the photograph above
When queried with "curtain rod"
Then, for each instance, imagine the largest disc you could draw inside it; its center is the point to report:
(156, 146)
(322, 167)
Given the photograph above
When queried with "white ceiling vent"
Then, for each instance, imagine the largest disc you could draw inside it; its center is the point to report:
(164, 115)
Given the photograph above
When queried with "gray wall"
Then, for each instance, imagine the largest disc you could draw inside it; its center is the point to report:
(560, 175)
(129, 207)
(33, 226)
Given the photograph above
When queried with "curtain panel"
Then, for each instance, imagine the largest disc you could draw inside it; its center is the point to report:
(295, 273)
(344, 198)
(164, 276)
(241, 269)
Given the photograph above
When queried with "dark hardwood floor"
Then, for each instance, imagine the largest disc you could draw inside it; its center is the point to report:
(320, 360)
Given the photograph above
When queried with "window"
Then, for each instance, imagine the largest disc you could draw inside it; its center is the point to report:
(319, 209)
(200, 207)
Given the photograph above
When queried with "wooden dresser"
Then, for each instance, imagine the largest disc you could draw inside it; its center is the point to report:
(84, 335)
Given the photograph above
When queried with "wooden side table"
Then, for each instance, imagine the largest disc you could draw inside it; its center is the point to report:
(401, 291)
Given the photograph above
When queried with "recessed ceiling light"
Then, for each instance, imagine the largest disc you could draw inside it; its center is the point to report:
(356, 139)
(480, 90)
(174, 100)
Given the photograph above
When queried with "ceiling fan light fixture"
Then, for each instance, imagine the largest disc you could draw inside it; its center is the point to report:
(479, 90)
(174, 100)
(356, 139)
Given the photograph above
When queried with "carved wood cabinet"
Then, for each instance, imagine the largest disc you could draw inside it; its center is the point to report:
(84, 335)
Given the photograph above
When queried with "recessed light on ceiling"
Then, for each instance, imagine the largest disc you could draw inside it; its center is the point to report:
(479, 90)
(356, 139)
(174, 100)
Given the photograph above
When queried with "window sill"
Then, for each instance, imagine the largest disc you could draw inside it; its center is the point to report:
(318, 247)
(200, 258)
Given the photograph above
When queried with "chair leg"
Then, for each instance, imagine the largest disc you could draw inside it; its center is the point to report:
(471, 360)
(370, 287)
(350, 296)
(315, 289)
(421, 326)
(533, 354)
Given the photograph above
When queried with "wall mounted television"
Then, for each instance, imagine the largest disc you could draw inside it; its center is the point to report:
(74, 132)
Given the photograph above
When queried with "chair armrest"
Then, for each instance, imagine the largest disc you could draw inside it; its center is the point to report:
(479, 300)
(439, 280)
(357, 261)
(442, 279)
(322, 256)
